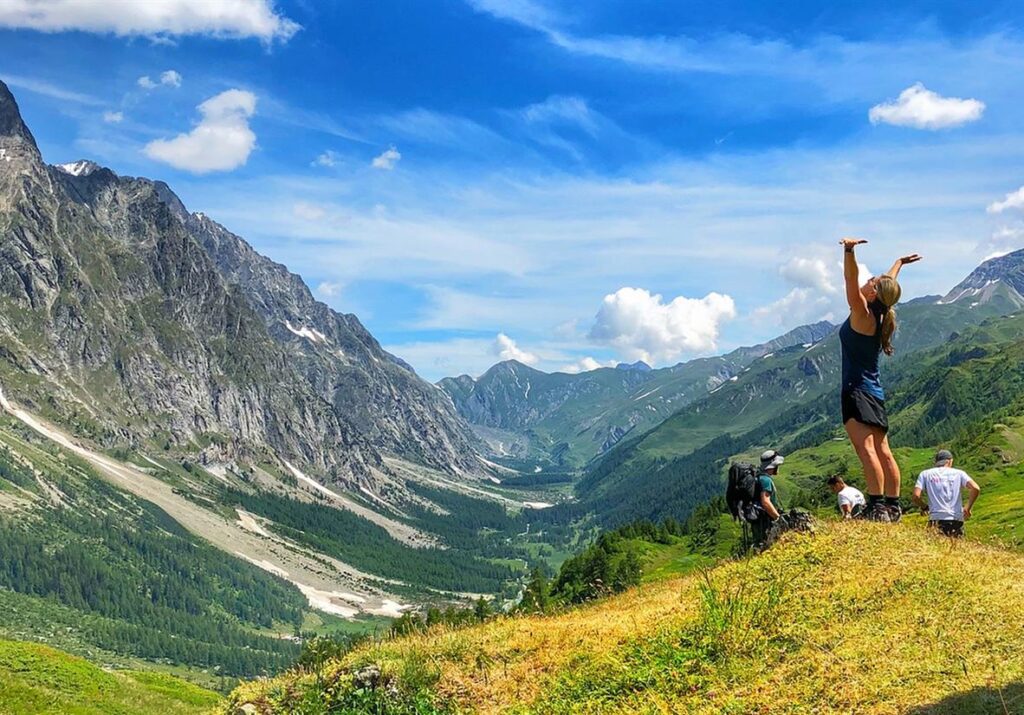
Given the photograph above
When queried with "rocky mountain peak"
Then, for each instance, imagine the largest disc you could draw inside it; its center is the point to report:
(639, 365)
(1001, 277)
(16, 141)
(82, 167)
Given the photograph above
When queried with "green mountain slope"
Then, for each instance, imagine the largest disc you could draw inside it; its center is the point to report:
(38, 680)
(839, 622)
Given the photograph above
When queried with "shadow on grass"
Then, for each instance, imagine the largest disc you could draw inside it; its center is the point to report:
(1008, 700)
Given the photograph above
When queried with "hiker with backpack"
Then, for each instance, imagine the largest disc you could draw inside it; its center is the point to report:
(753, 499)
(863, 337)
(944, 487)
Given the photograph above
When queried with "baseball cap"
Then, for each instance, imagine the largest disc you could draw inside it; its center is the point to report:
(771, 458)
(943, 455)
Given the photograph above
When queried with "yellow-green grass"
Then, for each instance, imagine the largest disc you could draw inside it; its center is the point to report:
(858, 618)
(37, 680)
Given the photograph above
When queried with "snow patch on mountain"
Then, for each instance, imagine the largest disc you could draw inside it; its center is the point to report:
(79, 168)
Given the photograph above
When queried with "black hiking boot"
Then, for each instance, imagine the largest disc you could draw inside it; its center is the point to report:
(895, 512)
(877, 512)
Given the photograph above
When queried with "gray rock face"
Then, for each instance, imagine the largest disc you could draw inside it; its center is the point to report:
(997, 279)
(131, 319)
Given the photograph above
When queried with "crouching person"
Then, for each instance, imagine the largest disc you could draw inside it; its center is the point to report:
(851, 500)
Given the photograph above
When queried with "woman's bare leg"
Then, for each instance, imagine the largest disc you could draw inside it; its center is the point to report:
(862, 437)
(890, 470)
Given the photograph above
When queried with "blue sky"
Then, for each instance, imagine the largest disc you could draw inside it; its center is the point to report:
(570, 184)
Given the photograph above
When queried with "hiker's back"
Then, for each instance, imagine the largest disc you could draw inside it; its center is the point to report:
(860, 360)
(944, 486)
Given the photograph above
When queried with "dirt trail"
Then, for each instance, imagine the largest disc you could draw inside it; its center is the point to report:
(324, 580)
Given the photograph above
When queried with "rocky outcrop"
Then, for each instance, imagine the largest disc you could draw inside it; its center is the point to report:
(132, 319)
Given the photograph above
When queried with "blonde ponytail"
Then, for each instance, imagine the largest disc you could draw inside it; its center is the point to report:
(888, 292)
(888, 329)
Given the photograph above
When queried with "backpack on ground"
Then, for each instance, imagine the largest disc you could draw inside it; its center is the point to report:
(741, 492)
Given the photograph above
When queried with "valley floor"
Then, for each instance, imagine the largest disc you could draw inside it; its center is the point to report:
(860, 617)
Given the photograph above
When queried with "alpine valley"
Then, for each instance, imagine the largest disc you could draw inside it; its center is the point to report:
(202, 468)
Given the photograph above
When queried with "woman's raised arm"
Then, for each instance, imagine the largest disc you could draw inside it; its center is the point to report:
(900, 262)
(851, 275)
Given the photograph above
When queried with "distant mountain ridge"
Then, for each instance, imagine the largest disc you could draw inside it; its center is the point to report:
(131, 319)
(571, 418)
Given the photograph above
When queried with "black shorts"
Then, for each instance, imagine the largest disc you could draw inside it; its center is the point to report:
(949, 527)
(865, 408)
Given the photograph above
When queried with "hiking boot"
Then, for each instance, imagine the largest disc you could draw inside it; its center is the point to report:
(895, 512)
(877, 512)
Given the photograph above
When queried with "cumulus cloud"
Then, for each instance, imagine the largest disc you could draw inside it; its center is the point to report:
(326, 159)
(808, 273)
(308, 211)
(387, 160)
(113, 117)
(170, 78)
(328, 289)
(817, 292)
(585, 365)
(217, 18)
(643, 327)
(220, 142)
(920, 108)
(1013, 200)
(506, 349)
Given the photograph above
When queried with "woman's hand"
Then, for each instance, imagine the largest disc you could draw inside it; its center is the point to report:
(850, 242)
(912, 258)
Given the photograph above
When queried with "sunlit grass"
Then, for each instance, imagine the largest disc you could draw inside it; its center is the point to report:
(860, 618)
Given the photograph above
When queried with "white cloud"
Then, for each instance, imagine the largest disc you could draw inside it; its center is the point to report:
(217, 18)
(387, 160)
(170, 78)
(641, 326)
(920, 108)
(308, 211)
(506, 349)
(808, 273)
(585, 364)
(220, 142)
(1004, 239)
(1013, 200)
(328, 289)
(817, 292)
(995, 254)
(526, 12)
(326, 159)
(113, 117)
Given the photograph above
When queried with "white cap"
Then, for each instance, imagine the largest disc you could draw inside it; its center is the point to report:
(771, 458)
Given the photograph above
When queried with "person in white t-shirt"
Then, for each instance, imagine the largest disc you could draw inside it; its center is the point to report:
(944, 487)
(851, 500)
